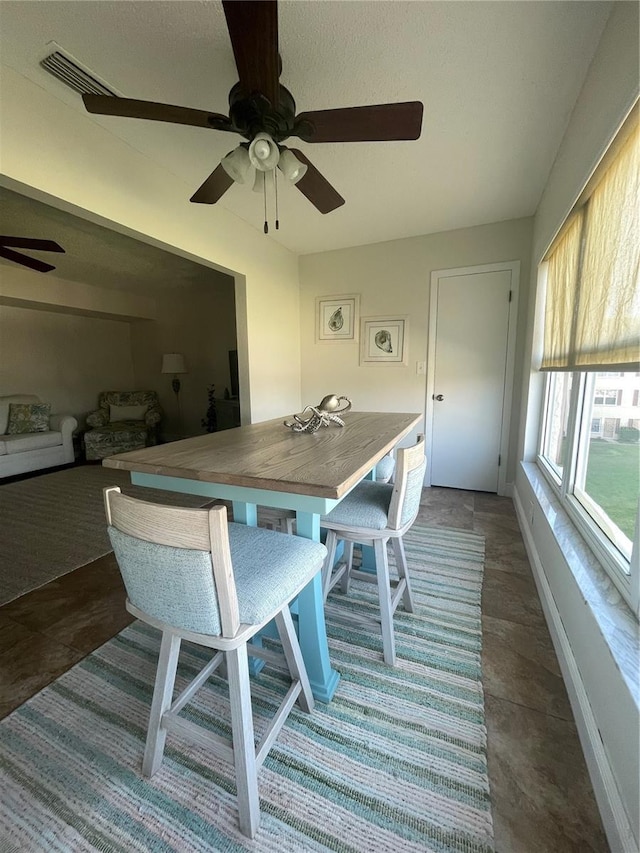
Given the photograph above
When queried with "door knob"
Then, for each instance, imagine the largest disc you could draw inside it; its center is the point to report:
(438, 397)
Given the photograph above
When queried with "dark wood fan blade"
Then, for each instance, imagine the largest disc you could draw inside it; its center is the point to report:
(213, 188)
(32, 263)
(253, 30)
(106, 105)
(316, 187)
(377, 123)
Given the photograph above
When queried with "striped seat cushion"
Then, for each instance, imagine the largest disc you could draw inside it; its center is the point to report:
(176, 585)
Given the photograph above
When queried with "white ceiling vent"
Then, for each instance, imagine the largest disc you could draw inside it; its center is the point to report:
(73, 75)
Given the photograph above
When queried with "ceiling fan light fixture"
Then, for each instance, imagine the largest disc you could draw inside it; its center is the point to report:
(263, 152)
(291, 167)
(237, 164)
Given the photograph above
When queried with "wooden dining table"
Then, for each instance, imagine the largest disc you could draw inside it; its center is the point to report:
(267, 464)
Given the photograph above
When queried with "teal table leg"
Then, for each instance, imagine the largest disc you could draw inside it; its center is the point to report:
(311, 625)
(245, 513)
(368, 559)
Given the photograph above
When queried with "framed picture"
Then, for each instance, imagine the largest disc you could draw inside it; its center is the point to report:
(337, 318)
(384, 340)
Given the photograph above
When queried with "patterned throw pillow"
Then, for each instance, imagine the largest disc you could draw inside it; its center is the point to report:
(28, 417)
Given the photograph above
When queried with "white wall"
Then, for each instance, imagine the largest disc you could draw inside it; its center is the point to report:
(200, 324)
(65, 338)
(610, 88)
(52, 151)
(394, 278)
(63, 358)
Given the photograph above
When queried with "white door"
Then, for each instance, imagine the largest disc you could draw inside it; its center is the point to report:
(469, 388)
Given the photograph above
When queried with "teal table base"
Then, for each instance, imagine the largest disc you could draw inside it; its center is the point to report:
(312, 630)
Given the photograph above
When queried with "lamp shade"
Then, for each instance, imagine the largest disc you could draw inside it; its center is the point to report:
(291, 167)
(263, 152)
(173, 362)
(237, 164)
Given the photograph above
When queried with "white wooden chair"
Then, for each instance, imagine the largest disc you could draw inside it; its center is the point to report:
(373, 514)
(177, 567)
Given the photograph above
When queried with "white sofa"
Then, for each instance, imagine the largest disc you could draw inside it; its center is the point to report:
(31, 451)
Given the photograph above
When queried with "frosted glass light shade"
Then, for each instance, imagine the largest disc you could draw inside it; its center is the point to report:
(173, 362)
(263, 152)
(237, 164)
(291, 167)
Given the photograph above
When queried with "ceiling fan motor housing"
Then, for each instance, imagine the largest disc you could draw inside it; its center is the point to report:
(256, 114)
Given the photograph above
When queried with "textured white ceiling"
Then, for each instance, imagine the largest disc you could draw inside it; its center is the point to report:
(498, 81)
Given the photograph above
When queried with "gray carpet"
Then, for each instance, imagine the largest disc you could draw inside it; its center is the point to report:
(54, 523)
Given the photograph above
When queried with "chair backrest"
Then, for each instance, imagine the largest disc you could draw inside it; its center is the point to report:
(127, 398)
(407, 488)
(175, 562)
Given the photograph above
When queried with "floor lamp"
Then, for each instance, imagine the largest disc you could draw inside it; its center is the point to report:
(173, 362)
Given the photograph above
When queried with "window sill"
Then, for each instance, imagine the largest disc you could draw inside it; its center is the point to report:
(614, 617)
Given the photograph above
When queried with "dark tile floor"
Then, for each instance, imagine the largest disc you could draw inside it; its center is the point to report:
(541, 795)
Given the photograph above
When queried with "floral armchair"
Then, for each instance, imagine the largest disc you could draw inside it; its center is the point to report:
(124, 420)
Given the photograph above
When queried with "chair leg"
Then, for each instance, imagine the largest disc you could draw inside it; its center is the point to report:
(327, 569)
(403, 573)
(384, 595)
(161, 702)
(348, 557)
(293, 655)
(244, 749)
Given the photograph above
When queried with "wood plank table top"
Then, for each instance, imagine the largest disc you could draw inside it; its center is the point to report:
(269, 456)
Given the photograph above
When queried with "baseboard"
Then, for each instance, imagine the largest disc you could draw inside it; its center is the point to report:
(614, 816)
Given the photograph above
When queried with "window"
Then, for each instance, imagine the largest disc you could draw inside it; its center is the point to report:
(606, 398)
(556, 422)
(607, 477)
(590, 441)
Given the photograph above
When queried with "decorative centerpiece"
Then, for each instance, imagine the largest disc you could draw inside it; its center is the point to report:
(328, 411)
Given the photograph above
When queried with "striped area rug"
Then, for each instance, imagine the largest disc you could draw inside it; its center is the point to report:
(396, 762)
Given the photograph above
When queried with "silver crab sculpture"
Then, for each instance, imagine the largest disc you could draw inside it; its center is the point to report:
(327, 412)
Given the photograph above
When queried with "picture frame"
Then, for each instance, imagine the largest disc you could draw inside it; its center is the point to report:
(337, 318)
(384, 340)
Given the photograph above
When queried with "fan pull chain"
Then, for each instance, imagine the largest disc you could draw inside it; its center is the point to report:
(275, 183)
(264, 191)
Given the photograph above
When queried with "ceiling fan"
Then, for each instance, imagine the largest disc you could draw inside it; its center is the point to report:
(263, 112)
(28, 243)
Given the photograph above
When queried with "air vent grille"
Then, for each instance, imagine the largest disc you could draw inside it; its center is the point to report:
(73, 75)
